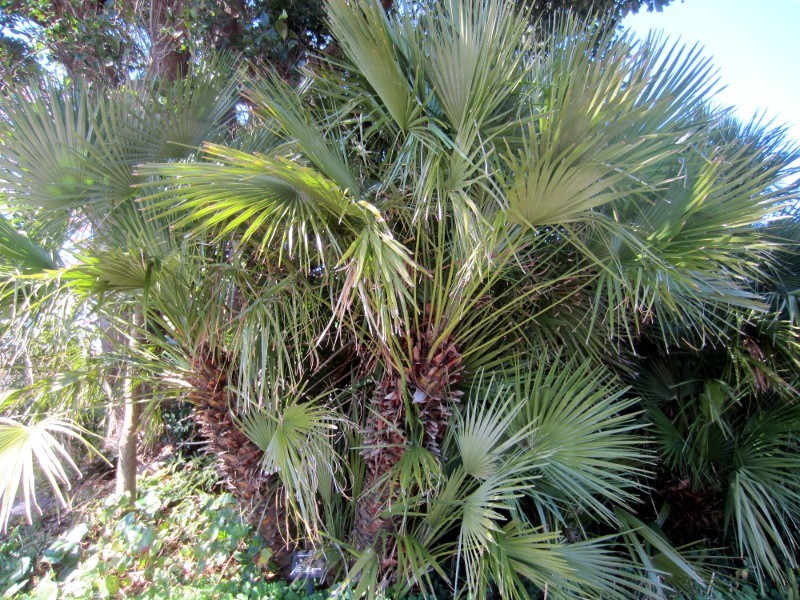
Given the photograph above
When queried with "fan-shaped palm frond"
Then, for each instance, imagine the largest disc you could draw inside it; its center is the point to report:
(473, 61)
(20, 445)
(45, 131)
(604, 123)
(297, 440)
(363, 31)
(763, 502)
(580, 420)
(481, 433)
(276, 100)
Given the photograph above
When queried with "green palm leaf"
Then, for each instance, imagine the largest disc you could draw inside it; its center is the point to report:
(763, 497)
(363, 31)
(473, 59)
(284, 203)
(276, 100)
(45, 132)
(606, 123)
(297, 444)
(19, 251)
(481, 433)
(585, 428)
(638, 536)
(20, 446)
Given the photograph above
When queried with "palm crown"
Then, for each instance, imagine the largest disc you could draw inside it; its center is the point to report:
(434, 302)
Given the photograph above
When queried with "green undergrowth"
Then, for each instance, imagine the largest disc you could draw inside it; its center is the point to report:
(183, 539)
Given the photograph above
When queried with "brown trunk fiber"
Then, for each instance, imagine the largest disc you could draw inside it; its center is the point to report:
(239, 459)
(430, 376)
(384, 444)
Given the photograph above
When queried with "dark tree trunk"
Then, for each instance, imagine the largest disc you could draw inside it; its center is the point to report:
(239, 459)
(432, 371)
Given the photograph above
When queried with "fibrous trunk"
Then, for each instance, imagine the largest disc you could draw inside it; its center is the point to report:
(239, 459)
(427, 390)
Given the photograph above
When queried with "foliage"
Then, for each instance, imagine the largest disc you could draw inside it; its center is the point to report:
(201, 549)
(182, 539)
(475, 305)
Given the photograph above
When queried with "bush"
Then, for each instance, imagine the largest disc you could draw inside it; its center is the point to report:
(181, 539)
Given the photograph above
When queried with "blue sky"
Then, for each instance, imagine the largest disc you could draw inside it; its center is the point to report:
(755, 45)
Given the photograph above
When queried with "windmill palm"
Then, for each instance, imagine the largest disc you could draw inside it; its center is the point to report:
(67, 164)
(407, 298)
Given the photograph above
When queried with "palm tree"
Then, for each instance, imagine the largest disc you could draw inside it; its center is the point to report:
(67, 164)
(418, 303)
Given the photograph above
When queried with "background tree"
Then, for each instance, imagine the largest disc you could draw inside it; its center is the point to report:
(110, 40)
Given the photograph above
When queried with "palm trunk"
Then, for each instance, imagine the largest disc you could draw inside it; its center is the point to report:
(430, 378)
(126, 462)
(239, 459)
(384, 443)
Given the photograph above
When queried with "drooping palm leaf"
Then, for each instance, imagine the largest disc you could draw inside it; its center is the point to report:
(19, 251)
(23, 444)
(278, 101)
(763, 500)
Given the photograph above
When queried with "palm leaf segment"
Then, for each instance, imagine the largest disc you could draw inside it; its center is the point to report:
(20, 446)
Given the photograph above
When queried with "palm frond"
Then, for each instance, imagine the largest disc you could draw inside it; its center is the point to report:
(604, 573)
(297, 442)
(561, 570)
(604, 124)
(763, 497)
(641, 540)
(363, 31)
(113, 271)
(483, 510)
(473, 52)
(379, 270)
(276, 100)
(585, 427)
(20, 251)
(688, 254)
(481, 432)
(22, 445)
(268, 197)
(45, 131)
